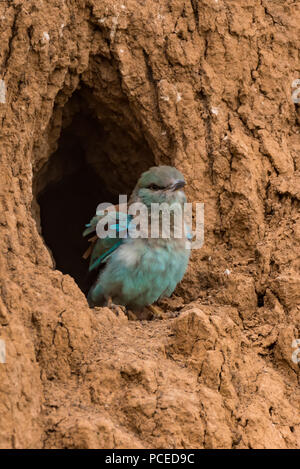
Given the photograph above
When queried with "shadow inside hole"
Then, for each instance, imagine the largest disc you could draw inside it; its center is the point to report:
(65, 207)
(94, 163)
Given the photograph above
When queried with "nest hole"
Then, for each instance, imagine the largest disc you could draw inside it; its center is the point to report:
(95, 161)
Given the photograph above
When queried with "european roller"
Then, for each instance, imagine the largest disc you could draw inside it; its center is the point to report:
(138, 271)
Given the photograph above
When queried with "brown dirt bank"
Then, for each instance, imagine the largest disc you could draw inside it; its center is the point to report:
(92, 93)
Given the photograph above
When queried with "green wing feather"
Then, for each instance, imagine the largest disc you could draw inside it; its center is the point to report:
(91, 227)
(104, 247)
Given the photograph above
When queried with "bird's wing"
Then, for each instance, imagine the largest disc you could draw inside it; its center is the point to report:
(113, 209)
(102, 248)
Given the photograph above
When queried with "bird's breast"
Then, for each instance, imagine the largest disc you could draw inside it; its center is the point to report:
(152, 253)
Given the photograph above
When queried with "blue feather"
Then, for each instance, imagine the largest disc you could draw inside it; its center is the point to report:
(103, 256)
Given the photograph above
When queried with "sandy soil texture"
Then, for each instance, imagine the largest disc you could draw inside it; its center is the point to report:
(92, 93)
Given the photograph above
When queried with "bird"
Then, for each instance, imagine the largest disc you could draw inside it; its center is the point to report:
(137, 272)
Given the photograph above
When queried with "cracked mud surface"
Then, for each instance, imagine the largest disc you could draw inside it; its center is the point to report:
(202, 85)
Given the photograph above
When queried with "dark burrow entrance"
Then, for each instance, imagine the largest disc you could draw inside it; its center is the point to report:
(95, 161)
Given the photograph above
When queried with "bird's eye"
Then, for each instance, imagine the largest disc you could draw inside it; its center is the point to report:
(154, 187)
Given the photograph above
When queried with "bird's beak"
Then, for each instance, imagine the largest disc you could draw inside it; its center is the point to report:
(179, 184)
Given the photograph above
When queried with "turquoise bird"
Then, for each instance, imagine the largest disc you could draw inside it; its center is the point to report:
(139, 271)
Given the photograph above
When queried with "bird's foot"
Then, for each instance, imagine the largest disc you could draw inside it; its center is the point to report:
(117, 309)
(132, 316)
(155, 312)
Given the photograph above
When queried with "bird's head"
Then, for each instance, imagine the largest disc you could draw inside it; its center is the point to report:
(160, 184)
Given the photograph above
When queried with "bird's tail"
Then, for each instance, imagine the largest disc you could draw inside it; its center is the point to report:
(96, 295)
